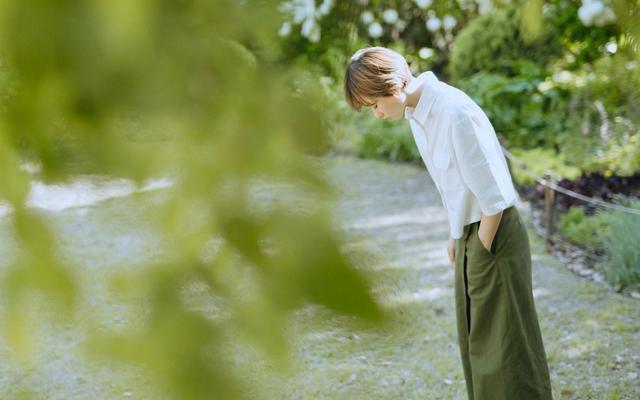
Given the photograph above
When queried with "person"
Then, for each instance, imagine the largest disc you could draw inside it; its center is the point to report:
(501, 347)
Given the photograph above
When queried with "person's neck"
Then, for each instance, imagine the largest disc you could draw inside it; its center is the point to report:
(414, 97)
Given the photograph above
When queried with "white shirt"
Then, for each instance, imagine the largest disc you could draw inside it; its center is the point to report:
(460, 149)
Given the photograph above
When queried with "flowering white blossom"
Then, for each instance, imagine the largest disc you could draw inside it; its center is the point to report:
(595, 12)
(325, 7)
(433, 24)
(563, 77)
(311, 30)
(375, 30)
(299, 9)
(390, 16)
(484, 6)
(304, 12)
(545, 86)
(423, 3)
(285, 29)
(449, 21)
(366, 17)
(425, 53)
(314, 36)
(580, 81)
(611, 47)
(307, 27)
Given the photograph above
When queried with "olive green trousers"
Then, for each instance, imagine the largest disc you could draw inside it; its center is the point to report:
(501, 347)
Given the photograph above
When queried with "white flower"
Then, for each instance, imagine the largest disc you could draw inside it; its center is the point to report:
(375, 30)
(311, 30)
(484, 6)
(548, 10)
(570, 58)
(449, 21)
(400, 25)
(611, 47)
(325, 7)
(366, 17)
(545, 86)
(425, 53)
(285, 29)
(390, 16)
(423, 3)
(580, 81)
(563, 76)
(302, 10)
(307, 27)
(595, 12)
(314, 36)
(433, 24)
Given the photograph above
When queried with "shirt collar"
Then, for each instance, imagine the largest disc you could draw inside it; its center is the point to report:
(429, 93)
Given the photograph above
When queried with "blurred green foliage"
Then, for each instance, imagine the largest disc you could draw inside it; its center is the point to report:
(613, 232)
(517, 108)
(582, 229)
(348, 26)
(493, 42)
(621, 244)
(539, 162)
(79, 79)
(603, 104)
(388, 140)
(556, 83)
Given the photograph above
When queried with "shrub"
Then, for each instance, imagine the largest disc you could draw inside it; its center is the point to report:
(614, 232)
(517, 108)
(388, 140)
(582, 229)
(618, 157)
(621, 244)
(603, 115)
(492, 42)
(345, 126)
(538, 162)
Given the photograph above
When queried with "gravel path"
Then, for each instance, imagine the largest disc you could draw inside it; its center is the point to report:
(591, 334)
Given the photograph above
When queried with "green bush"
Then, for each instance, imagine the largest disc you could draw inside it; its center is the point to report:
(344, 125)
(618, 157)
(621, 244)
(388, 140)
(582, 44)
(603, 115)
(493, 41)
(614, 232)
(538, 162)
(582, 229)
(517, 108)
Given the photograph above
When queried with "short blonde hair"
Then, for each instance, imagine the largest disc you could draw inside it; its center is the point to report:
(374, 72)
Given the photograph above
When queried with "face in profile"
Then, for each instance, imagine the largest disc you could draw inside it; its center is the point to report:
(388, 107)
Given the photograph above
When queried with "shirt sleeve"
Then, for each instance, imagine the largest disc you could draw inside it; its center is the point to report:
(470, 140)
